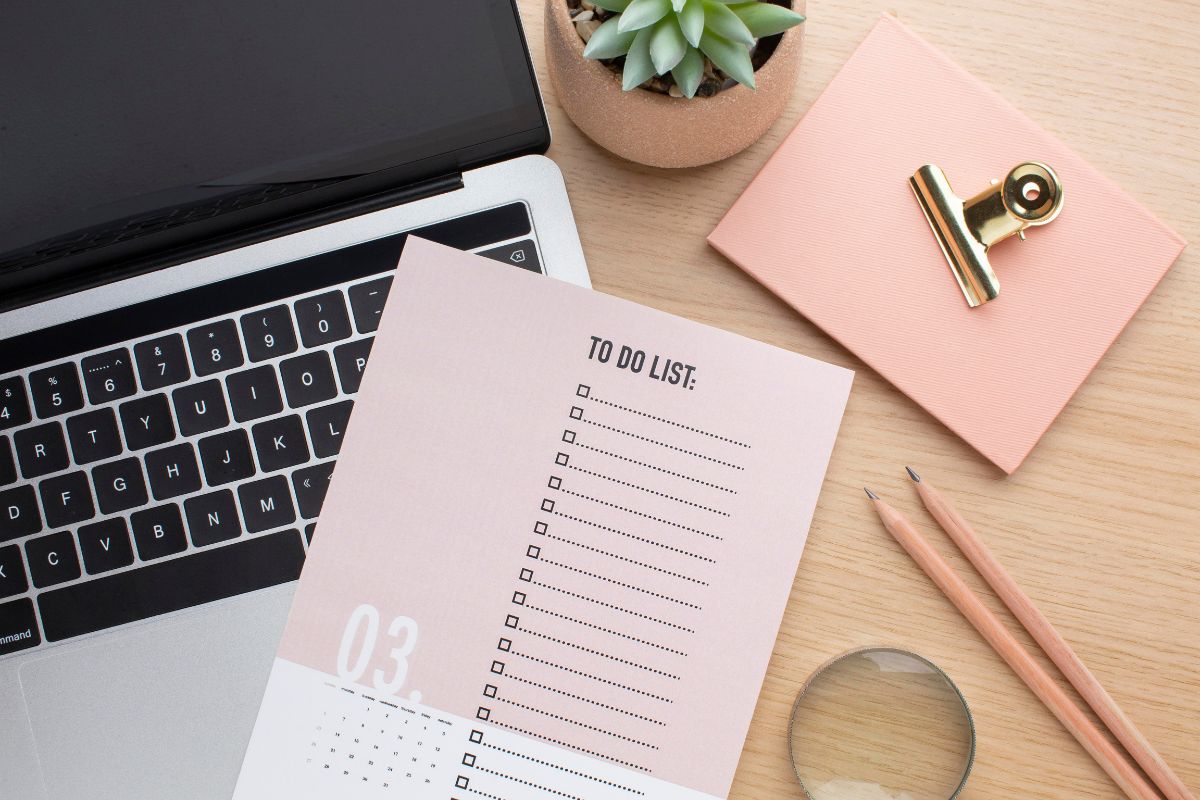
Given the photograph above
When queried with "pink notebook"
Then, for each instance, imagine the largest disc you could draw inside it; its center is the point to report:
(831, 226)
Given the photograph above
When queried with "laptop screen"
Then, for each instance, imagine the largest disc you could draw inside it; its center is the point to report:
(118, 111)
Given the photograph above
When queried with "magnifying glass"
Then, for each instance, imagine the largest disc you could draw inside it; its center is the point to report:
(881, 724)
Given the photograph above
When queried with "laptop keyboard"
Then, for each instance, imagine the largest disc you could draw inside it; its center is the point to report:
(183, 457)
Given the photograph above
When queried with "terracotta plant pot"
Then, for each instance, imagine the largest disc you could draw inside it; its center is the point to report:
(658, 129)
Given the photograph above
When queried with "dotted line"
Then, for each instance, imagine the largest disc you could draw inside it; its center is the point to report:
(619, 583)
(527, 783)
(651, 491)
(562, 768)
(600, 653)
(623, 558)
(586, 700)
(610, 605)
(593, 677)
(606, 630)
(664, 444)
(484, 794)
(642, 514)
(638, 538)
(577, 722)
(572, 746)
(651, 466)
(670, 422)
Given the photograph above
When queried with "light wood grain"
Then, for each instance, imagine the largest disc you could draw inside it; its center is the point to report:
(1101, 525)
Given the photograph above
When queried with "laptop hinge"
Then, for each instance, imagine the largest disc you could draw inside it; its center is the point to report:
(126, 267)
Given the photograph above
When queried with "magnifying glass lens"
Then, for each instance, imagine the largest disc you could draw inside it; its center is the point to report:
(881, 724)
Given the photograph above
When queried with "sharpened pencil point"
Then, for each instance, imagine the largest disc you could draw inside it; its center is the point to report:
(912, 474)
(870, 494)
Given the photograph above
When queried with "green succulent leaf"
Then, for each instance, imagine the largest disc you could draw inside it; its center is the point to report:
(719, 20)
(691, 21)
(689, 72)
(678, 5)
(641, 14)
(638, 66)
(612, 5)
(766, 19)
(608, 42)
(731, 57)
(667, 45)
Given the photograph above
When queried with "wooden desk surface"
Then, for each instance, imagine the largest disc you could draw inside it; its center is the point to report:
(1101, 525)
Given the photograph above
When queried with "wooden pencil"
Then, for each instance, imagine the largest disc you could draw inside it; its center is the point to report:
(1123, 773)
(1049, 639)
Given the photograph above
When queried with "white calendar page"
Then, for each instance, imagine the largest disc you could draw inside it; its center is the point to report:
(555, 554)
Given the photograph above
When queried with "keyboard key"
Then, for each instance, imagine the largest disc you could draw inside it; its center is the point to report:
(14, 405)
(108, 376)
(94, 436)
(266, 504)
(309, 530)
(280, 443)
(147, 422)
(56, 390)
(168, 586)
(254, 393)
(269, 333)
(119, 485)
(308, 379)
(19, 513)
(327, 427)
(161, 362)
(215, 347)
(105, 546)
(351, 360)
(172, 471)
(67, 499)
(322, 319)
(18, 628)
(522, 254)
(311, 484)
(41, 450)
(158, 532)
(52, 559)
(200, 408)
(226, 457)
(12, 572)
(366, 301)
(8, 465)
(212, 518)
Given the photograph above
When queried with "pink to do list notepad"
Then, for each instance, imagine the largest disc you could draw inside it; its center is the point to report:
(831, 226)
(555, 552)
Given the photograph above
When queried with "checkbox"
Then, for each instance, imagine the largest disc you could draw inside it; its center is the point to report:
(468, 760)
(547, 505)
(489, 691)
(511, 621)
(483, 713)
(583, 391)
(497, 669)
(505, 645)
(569, 437)
(526, 574)
(461, 782)
(534, 551)
(519, 598)
(576, 412)
(476, 737)
(561, 459)
(555, 482)
(540, 527)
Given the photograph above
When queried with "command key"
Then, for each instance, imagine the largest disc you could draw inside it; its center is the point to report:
(18, 627)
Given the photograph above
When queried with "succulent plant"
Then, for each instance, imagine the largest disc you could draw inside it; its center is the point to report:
(658, 37)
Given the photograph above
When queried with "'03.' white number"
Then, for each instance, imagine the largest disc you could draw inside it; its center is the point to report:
(364, 620)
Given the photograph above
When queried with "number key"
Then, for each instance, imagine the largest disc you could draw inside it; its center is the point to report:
(215, 347)
(108, 376)
(161, 362)
(269, 333)
(14, 405)
(322, 319)
(56, 390)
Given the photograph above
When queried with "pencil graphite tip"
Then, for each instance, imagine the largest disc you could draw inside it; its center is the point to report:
(870, 494)
(913, 474)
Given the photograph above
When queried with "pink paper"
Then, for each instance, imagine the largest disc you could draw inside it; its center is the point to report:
(831, 226)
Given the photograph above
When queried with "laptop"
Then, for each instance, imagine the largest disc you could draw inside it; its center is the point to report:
(201, 206)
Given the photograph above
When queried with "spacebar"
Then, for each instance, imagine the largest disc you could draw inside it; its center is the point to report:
(171, 585)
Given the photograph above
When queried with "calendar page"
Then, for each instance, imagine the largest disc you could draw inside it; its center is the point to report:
(554, 556)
